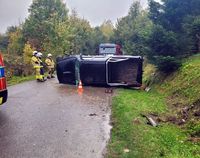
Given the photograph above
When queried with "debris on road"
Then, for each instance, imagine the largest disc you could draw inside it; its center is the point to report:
(93, 114)
(108, 90)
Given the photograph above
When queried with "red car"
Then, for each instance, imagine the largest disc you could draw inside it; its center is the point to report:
(3, 86)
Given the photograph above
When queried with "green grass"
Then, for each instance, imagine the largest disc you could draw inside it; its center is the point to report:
(17, 79)
(144, 141)
(149, 70)
(185, 82)
(130, 129)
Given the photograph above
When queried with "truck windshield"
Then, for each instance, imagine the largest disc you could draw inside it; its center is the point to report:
(107, 50)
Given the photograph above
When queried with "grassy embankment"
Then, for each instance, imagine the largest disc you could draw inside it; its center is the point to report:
(175, 104)
(17, 79)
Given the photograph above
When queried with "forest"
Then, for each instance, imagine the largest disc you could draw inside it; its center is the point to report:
(164, 33)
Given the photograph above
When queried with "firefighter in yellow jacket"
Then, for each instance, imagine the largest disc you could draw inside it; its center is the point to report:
(36, 65)
(39, 56)
(50, 66)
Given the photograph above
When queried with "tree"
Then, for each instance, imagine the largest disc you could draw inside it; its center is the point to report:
(164, 49)
(175, 30)
(11, 29)
(173, 15)
(97, 38)
(72, 36)
(81, 35)
(40, 25)
(4, 41)
(107, 30)
(16, 42)
(27, 53)
(155, 11)
(62, 41)
(133, 30)
(192, 29)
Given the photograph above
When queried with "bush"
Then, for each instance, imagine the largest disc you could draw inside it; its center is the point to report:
(165, 50)
(167, 64)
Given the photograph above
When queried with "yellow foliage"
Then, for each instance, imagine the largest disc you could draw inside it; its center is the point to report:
(107, 29)
(149, 71)
(27, 53)
(15, 42)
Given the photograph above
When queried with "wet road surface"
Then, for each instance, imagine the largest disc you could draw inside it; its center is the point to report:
(49, 120)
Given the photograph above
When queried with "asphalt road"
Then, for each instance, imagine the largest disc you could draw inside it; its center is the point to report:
(49, 120)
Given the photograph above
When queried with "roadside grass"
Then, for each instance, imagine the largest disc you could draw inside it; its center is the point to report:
(147, 74)
(168, 140)
(18, 79)
(185, 83)
(130, 129)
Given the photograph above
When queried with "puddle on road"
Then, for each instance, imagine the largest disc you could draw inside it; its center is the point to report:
(89, 96)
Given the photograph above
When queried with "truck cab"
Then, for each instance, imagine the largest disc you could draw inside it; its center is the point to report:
(110, 49)
(3, 86)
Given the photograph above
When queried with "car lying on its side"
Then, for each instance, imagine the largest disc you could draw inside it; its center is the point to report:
(3, 87)
(100, 70)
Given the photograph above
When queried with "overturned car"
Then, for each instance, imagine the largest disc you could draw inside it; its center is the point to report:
(100, 70)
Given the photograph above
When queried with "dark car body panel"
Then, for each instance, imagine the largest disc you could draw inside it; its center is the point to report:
(100, 70)
(93, 72)
(66, 70)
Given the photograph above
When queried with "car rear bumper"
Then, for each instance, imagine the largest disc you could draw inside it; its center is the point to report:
(3, 96)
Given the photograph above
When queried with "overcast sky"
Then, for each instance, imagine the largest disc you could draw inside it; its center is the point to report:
(12, 12)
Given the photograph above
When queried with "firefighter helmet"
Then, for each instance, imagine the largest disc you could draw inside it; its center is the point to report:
(35, 53)
(49, 55)
(39, 54)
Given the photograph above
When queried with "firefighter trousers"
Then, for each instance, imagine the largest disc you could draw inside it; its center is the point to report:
(38, 75)
(50, 72)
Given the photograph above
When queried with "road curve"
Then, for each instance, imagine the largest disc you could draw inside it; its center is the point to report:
(49, 120)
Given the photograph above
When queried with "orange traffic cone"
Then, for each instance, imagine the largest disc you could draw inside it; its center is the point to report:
(80, 87)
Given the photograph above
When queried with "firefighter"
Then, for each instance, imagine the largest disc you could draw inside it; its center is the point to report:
(36, 65)
(50, 66)
(39, 56)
